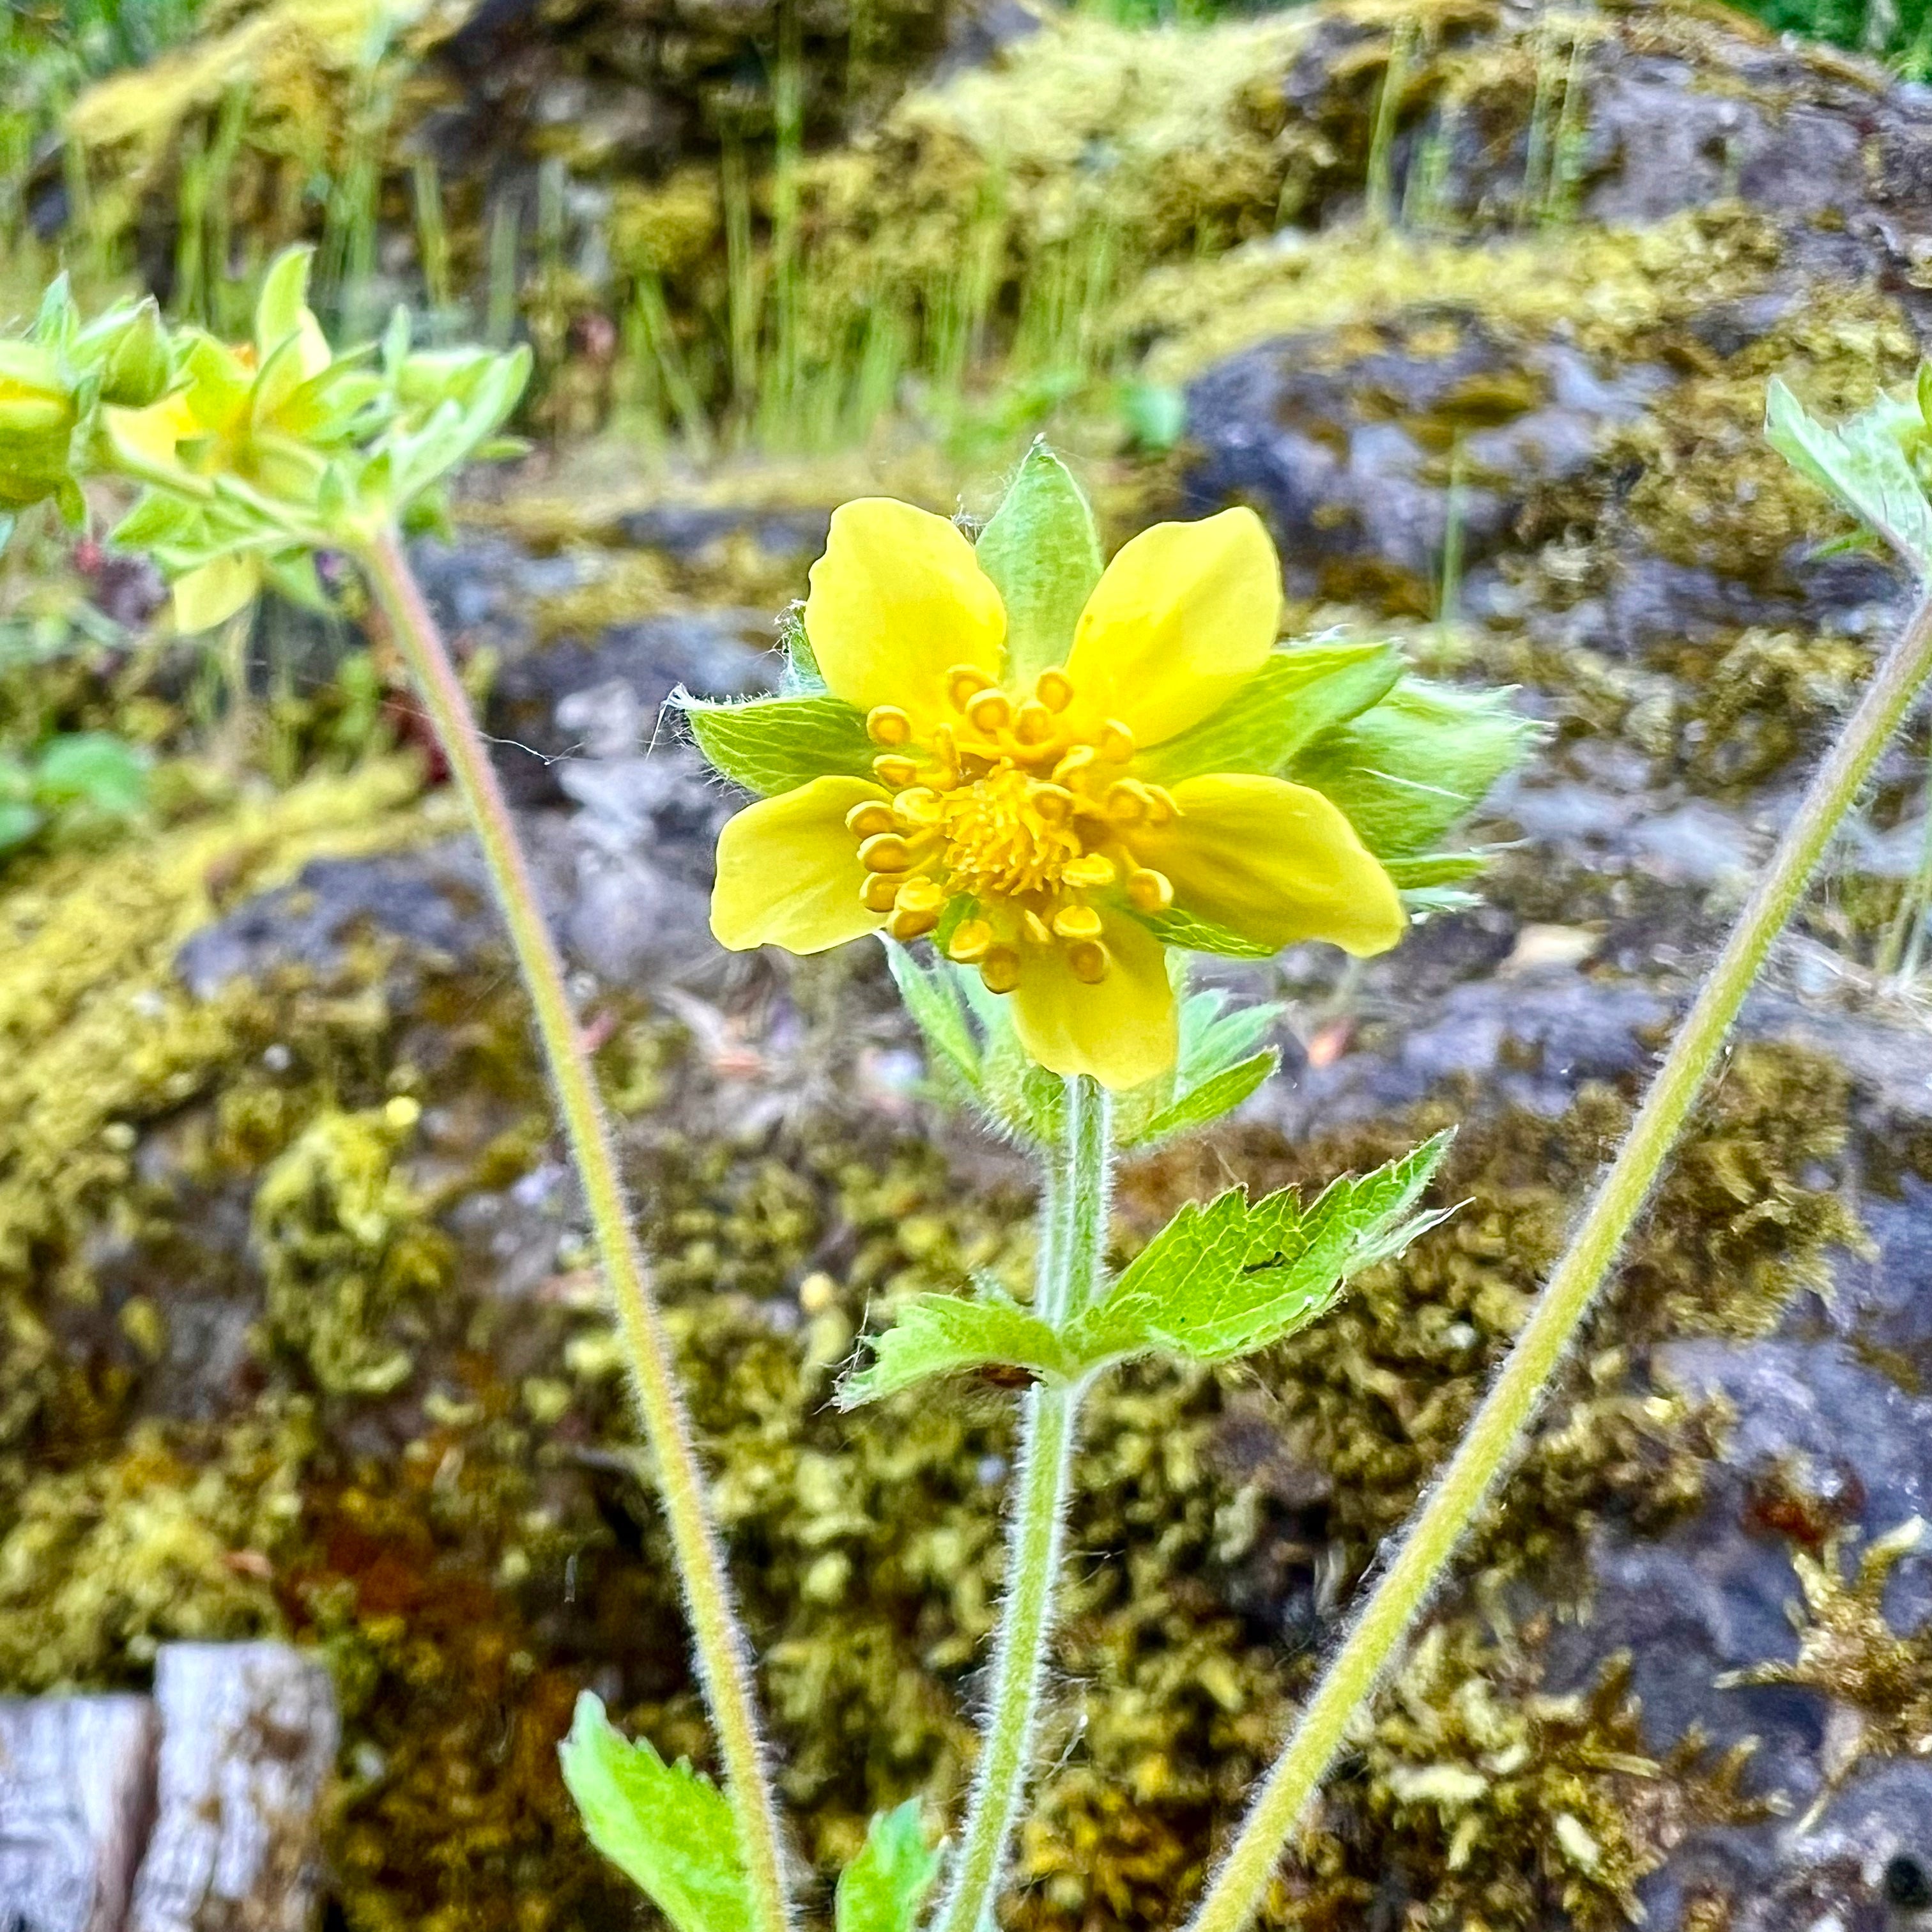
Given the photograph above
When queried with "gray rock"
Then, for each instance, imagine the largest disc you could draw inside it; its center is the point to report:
(249, 1734)
(76, 1794)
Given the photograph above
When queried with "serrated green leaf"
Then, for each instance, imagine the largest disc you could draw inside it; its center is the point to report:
(933, 999)
(942, 1334)
(772, 744)
(670, 1831)
(883, 1888)
(1211, 1040)
(1296, 695)
(1042, 552)
(1407, 771)
(92, 768)
(1860, 464)
(1224, 1279)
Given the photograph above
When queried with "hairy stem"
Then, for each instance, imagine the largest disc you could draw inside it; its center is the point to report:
(1493, 1437)
(723, 1660)
(1073, 1239)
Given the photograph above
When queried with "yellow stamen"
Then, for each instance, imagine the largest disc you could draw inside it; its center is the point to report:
(1037, 930)
(962, 681)
(1094, 869)
(880, 893)
(873, 816)
(1149, 891)
(886, 852)
(1055, 803)
(1000, 970)
(1076, 760)
(972, 940)
(1162, 807)
(887, 724)
(1087, 961)
(1054, 689)
(918, 807)
(1126, 802)
(1033, 723)
(921, 896)
(1077, 921)
(906, 926)
(894, 770)
(1117, 741)
(989, 712)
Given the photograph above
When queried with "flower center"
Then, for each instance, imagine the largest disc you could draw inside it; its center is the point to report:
(1003, 824)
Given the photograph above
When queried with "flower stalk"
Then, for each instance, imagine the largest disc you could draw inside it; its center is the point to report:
(723, 1657)
(1073, 1236)
(1495, 1436)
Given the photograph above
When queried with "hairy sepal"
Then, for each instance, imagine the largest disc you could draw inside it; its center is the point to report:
(773, 745)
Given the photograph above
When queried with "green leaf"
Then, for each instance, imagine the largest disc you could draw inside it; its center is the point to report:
(883, 1888)
(157, 517)
(1296, 695)
(1042, 552)
(1861, 464)
(91, 768)
(933, 999)
(770, 745)
(1410, 769)
(672, 1832)
(941, 1334)
(281, 309)
(1225, 1280)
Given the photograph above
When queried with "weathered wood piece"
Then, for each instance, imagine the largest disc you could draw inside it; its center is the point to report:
(76, 1796)
(249, 1733)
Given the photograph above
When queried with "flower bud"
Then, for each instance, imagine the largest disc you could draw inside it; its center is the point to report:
(37, 421)
(138, 365)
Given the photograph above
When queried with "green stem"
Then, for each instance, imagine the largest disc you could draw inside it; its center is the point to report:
(723, 1660)
(1492, 1437)
(1073, 1242)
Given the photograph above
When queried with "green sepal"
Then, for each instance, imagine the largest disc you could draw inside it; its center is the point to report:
(803, 678)
(1042, 552)
(1210, 1100)
(1222, 1280)
(1861, 464)
(1297, 694)
(1406, 772)
(883, 1888)
(772, 744)
(938, 1009)
(670, 1831)
(1194, 934)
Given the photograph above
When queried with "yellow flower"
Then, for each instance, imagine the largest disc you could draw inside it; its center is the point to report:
(1017, 812)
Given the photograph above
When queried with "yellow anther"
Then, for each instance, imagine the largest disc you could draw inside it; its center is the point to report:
(1000, 970)
(963, 682)
(1077, 759)
(972, 940)
(906, 926)
(886, 852)
(921, 896)
(1036, 928)
(917, 806)
(894, 770)
(874, 815)
(989, 711)
(1117, 741)
(1149, 891)
(1090, 868)
(1161, 806)
(1126, 802)
(1087, 961)
(880, 892)
(1076, 921)
(1032, 724)
(1055, 803)
(1054, 689)
(887, 724)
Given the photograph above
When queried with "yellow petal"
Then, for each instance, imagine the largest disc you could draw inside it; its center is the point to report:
(143, 440)
(1185, 614)
(1122, 1031)
(213, 594)
(788, 871)
(897, 600)
(1275, 862)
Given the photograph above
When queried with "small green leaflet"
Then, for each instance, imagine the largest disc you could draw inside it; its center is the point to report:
(1226, 1279)
(772, 744)
(1296, 695)
(1221, 1062)
(1042, 552)
(941, 1334)
(669, 1831)
(1862, 464)
(1217, 1281)
(883, 1888)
